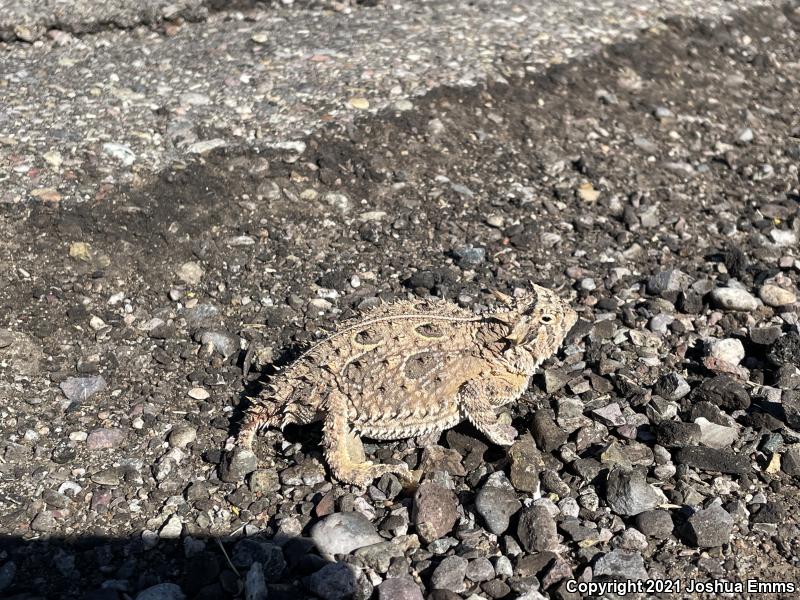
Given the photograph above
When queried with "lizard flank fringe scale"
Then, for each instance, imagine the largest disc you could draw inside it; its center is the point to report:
(409, 369)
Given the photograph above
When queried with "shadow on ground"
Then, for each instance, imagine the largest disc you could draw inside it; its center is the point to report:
(100, 568)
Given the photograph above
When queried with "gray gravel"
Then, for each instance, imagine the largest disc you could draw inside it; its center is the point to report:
(26, 21)
(119, 104)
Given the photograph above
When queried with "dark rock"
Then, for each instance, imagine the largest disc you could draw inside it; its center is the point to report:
(628, 493)
(558, 570)
(210, 592)
(547, 434)
(667, 283)
(710, 527)
(588, 468)
(334, 581)
(537, 529)
(468, 257)
(496, 588)
(790, 403)
(708, 411)
(255, 585)
(735, 262)
(437, 458)
(790, 463)
(202, 569)
(534, 564)
(497, 502)
(765, 336)
(449, 574)
(435, 511)
(626, 455)
(575, 531)
(443, 595)
(761, 420)
(672, 386)
(526, 462)
(620, 564)
(786, 350)
(399, 588)
(552, 482)
(555, 379)
(787, 378)
(248, 551)
(422, 279)
(63, 452)
(771, 512)
(724, 391)
(480, 569)
(236, 464)
(655, 523)
(677, 434)
(710, 459)
(162, 591)
(470, 447)
(378, 556)
(690, 302)
(98, 594)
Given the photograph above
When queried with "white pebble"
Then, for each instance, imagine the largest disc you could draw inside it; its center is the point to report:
(199, 393)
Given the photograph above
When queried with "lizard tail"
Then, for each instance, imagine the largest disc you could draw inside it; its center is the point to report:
(257, 418)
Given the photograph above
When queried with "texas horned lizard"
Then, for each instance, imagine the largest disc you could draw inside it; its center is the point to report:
(406, 370)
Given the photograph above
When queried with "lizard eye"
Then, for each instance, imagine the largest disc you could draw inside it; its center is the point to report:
(546, 319)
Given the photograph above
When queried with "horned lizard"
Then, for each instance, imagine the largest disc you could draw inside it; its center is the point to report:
(411, 369)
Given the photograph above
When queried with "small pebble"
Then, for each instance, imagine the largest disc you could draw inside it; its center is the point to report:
(191, 273)
(198, 393)
(710, 527)
(773, 295)
(729, 350)
(182, 435)
(434, 512)
(729, 298)
(105, 438)
(341, 533)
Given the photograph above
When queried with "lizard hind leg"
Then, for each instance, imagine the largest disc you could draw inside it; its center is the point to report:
(344, 451)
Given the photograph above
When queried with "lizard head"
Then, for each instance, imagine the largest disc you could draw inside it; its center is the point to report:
(539, 322)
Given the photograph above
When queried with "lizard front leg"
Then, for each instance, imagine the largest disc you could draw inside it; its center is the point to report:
(473, 399)
(344, 451)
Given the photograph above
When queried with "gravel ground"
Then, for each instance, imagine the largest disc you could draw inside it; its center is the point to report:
(26, 21)
(83, 113)
(654, 183)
